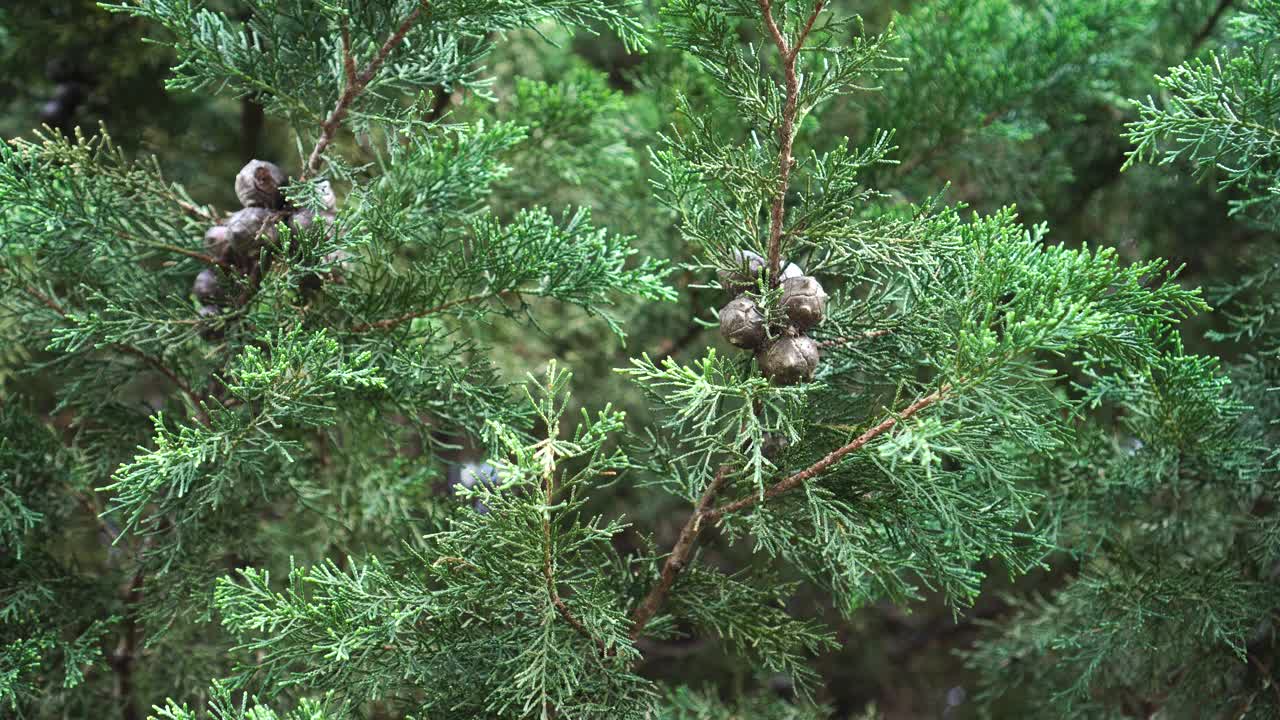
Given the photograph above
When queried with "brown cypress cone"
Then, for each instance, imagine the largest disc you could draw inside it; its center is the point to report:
(789, 360)
(210, 328)
(742, 323)
(304, 220)
(247, 227)
(747, 268)
(207, 287)
(258, 185)
(217, 241)
(750, 266)
(803, 301)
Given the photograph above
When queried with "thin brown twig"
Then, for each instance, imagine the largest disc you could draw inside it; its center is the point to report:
(329, 129)
(103, 526)
(671, 346)
(1115, 162)
(775, 32)
(568, 616)
(705, 514)
(181, 384)
(252, 118)
(126, 652)
(194, 211)
(1266, 673)
(950, 141)
(1207, 31)
(206, 259)
(808, 26)
(348, 60)
(45, 299)
(793, 481)
(678, 558)
(786, 139)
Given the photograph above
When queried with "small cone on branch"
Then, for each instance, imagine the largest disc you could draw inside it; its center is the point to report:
(258, 185)
(792, 270)
(774, 445)
(210, 329)
(206, 287)
(742, 323)
(304, 220)
(217, 241)
(748, 267)
(247, 226)
(789, 360)
(803, 301)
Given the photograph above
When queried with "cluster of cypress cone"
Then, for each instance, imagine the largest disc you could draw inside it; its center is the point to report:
(785, 353)
(238, 241)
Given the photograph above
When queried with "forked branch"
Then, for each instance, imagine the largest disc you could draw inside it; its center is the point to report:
(707, 514)
(356, 84)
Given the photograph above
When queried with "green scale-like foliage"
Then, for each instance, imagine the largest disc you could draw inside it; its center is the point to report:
(1167, 510)
(328, 408)
(245, 514)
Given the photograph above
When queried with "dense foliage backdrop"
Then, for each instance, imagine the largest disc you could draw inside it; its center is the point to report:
(1014, 203)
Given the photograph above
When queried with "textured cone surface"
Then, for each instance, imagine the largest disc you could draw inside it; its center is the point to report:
(206, 286)
(246, 226)
(804, 301)
(217, 241)
(742, 323)
(304, 220)
(258, 185)
(790, 360)
(750, 267)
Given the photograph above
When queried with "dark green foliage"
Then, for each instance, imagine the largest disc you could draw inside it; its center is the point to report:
(239, 506)
(1168, 511)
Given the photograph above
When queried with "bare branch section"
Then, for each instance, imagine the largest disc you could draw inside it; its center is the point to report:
(126, 652)
(678, 558)
(835, 456)
(790, 54)
(356, 85)
(706, 514)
